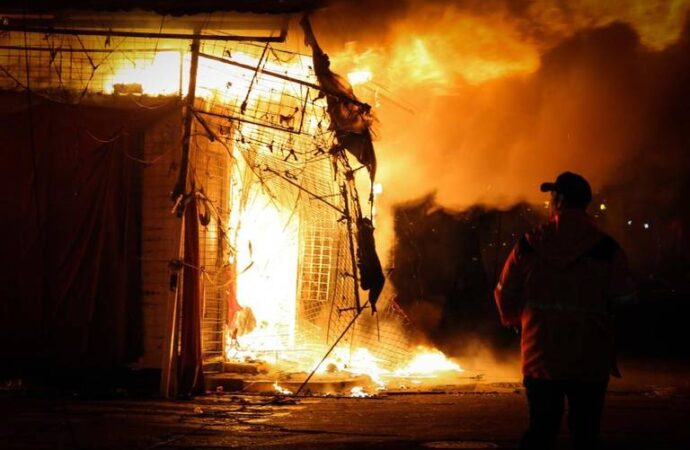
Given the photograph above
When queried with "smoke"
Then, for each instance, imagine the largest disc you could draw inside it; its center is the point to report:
(504, 94)
(543, 23)
(480, 101)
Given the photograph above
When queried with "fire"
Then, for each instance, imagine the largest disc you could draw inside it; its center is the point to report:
(359, 392)
(359, 77)
(428, 362)
(446, 52)
(438, 52)
(265, 234)
(167, 73)
(281, 390)
(266, 260)
(378, 188)
(157, 75)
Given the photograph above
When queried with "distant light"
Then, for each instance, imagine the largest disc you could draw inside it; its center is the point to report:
(646, 226)
(546, 204)
(629, 222)
(602, 206)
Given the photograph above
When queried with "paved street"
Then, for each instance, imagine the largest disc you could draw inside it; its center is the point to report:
(644, 416)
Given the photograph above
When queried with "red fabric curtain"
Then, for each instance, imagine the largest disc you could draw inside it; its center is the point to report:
(70, 227)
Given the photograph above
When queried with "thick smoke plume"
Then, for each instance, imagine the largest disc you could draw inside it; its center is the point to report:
(480, 101)
(506, 94)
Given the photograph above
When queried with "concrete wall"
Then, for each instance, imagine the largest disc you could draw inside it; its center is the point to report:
(209, 168)
(160, 230)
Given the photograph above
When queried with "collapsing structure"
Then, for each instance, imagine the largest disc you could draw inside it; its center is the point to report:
(187, 186)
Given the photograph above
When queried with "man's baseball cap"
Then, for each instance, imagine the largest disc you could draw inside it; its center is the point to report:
(574, 188)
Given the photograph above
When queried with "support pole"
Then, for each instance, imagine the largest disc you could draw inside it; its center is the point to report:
(168, 373)
(181, 184)
(337, 341)
(168, 385)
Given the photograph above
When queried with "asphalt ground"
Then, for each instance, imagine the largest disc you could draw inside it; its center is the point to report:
(650, 410)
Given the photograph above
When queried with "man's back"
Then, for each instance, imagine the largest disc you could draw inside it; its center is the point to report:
(558, 285)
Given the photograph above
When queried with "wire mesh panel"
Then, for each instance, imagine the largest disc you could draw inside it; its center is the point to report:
(66, 68)
(210, 169)
(281, 137)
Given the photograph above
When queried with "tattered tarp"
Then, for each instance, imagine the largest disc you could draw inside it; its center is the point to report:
(351, 119)
(70, 259)
(370, 271)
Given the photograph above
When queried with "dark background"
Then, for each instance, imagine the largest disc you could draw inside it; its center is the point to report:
(446, 264)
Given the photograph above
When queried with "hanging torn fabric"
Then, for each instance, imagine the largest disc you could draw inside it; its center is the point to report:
(350, 119)
(370, 271)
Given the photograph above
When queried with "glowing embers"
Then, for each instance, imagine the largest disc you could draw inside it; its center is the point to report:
(262, 324)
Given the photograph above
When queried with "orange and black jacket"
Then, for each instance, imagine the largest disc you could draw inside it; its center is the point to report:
(560, 284)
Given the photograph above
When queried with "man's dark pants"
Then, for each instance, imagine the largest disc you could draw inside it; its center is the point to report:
(546, 400)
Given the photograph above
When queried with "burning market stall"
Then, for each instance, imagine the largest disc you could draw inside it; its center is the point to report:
(268, 253)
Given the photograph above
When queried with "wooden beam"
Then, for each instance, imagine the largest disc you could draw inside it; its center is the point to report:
(181, 184)
(144, 34)
(169, 369)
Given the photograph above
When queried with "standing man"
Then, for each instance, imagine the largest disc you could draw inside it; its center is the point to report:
(560, 284)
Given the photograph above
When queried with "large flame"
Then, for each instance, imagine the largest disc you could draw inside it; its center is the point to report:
(161, 74)
(167, 73)
(266, 247)
(428, 362)
(440, 53)
(266, 260)
(281, 390)
(425, 363)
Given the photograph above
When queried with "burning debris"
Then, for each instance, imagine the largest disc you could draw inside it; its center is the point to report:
(359, 374)
(276, 243)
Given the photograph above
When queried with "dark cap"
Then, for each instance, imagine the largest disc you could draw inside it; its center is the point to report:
(575, 189)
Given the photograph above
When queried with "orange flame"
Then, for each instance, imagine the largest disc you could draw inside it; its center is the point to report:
(428, 362)
(281, 390)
